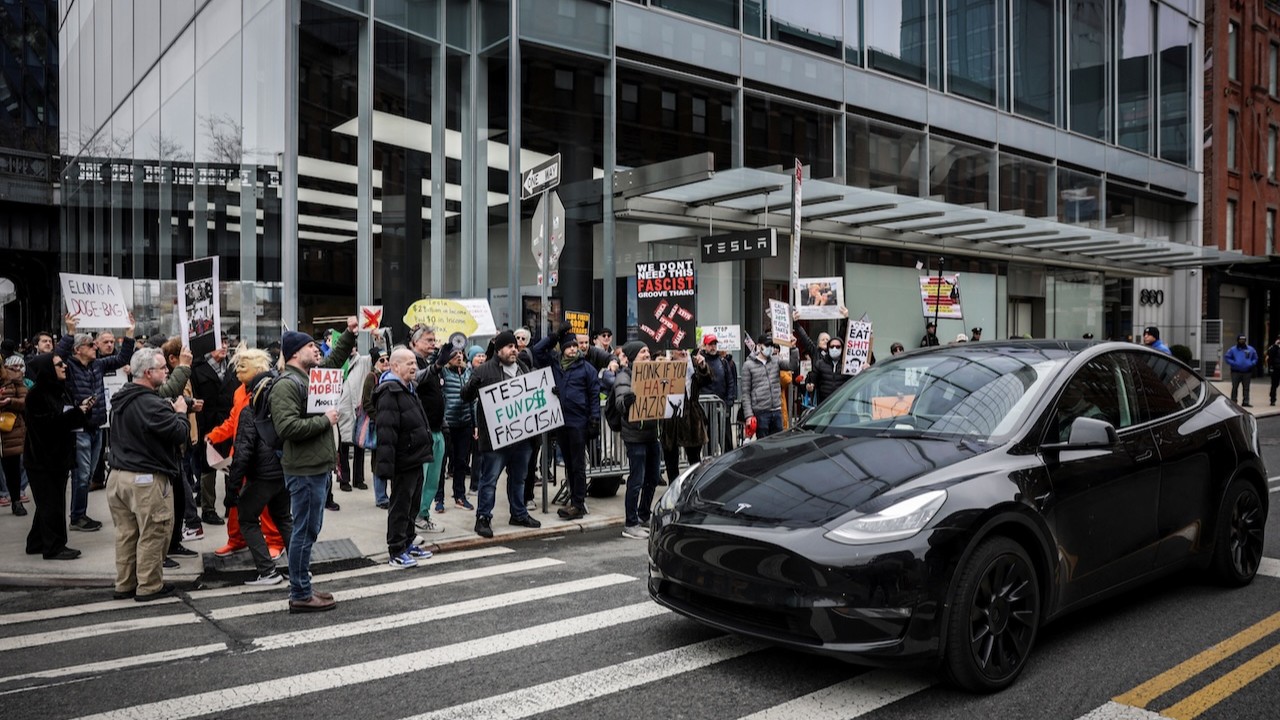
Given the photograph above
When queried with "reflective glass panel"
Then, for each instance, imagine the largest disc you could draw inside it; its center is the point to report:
(1035, 77)
(1078, 196)
(880, 156)
(971, 49)
(896, 37)
(813, 25)
(959, 172)
(777, 133)
(1024, 185)
(700, 119)
(1087, 67)
(1134, 35)
(1175, 84)
(721, 12)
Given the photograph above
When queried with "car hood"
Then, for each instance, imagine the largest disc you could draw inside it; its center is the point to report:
(806, 479)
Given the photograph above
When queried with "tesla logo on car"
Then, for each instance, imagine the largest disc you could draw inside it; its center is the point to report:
(741, 507)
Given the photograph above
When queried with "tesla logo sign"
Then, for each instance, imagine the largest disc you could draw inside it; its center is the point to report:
(741, 507)
(761, 243)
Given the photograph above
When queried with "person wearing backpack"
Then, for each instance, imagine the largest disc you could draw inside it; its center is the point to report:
(579, 390)
(309, 455)
(644, 455)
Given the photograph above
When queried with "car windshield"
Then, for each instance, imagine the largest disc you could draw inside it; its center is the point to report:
(974, 395)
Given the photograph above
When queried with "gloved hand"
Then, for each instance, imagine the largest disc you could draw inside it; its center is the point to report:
(749, 429)
(593, 429)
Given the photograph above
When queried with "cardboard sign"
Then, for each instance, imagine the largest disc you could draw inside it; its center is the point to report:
(891, 406)
(728, 337)
(941, 296)
(780, 318)
(521, 408)
(580, 322)
(370, 317)
(820, 298)
(857, 347)
(469, 316)
(659, 387)
(324, 389)
(199, 310)
(665, 303)
(96, 301)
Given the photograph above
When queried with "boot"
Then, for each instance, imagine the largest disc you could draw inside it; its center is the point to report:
(235, 541)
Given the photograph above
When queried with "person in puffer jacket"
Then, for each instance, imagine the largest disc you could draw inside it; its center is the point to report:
(404, 446)
(460, 425)
(644, 455)
(578, 387)
(762, 390)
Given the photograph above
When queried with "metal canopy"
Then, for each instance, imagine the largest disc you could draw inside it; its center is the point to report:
(744, 198)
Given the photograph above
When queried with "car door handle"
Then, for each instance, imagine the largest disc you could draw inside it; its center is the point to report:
(1143, 457)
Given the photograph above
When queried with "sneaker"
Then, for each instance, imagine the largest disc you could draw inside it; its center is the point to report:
(403, 560)
(331, 505)
(431, 527)
(230, 549)
(211, 517)
(170, 563)
(418, 553)
(637, 532)
(181, 551)
(86, 524)
(271, 579)
(421, 523)
(276, 553)
(23, 497)
(526, 521)
(482, 527)
(384, 505)
(64, 554)
(193, 533)
(418, 541)
(572, 512)
(463, 504)
(439, 506)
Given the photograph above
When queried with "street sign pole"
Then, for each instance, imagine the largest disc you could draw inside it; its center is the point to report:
(546, 288)
(542, 180)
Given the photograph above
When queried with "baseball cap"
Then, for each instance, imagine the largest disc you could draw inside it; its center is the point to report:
(709, 339)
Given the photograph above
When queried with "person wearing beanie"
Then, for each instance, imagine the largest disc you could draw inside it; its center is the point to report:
(578, 387)
(644, 454)
(309, 455)
(761, 391)
(472, 352)
(459, 423)
(1151, 338)
(503, 364)
(1241, 359)
(430, 390)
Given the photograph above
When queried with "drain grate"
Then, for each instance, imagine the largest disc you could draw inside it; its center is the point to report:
(326, 556)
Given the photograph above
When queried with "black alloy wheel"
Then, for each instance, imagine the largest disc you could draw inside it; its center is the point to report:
(1241, 533)
(993, 618)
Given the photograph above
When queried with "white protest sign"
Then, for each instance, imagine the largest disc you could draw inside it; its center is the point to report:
(780, 315)
(857, 346)
(521, 408)
(324, 388)
(728, 337)
(111, 384)
(96, 301)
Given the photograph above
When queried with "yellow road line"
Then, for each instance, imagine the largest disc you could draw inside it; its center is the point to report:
(1142, 695)
(1218, 690)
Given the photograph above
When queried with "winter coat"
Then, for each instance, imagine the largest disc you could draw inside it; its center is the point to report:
(352, 396)
(489, 373)
(827, 375)
(430, 390)
(226, 431)
(723, 381)
(52, 421)
(146, 434)
(309, 448)
(689, 428)
(457, 414)
(1241, 359)
(85, 380)
(642, 431)
(12, 442)
(217, 393)
(761, 386)
(577, 386)
(404, 437)
(252, 460)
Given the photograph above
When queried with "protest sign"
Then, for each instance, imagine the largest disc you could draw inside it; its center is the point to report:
(780, 317)
(96, 301)
(820, 298)
(857, 346)
(891, 406)
(659, 387)
(199, 311)
(324, 388)
(728, 337)
(521, 408)
(370, 317)
(940, 296)
(665, 303)
(469, 316)
(579, 322)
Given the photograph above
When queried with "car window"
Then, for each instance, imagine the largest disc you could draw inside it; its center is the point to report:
(1167, 386)
(1103, 389)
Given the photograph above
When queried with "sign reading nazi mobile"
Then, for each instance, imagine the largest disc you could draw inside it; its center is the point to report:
(748, 245)
(544, 176)
(521, 408)
(324, 389)
(539, 227)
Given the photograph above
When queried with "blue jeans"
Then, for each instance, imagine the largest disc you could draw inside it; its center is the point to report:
(515, 458)
(645, 462)
(768, 423)
(380, 491)
(307, 494)
(88, 449)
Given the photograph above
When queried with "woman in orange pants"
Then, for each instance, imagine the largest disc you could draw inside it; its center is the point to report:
(226, 433)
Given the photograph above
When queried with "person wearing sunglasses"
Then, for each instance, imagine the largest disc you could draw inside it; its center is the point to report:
(49, 453)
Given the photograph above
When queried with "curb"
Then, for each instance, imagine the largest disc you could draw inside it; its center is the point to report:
(469, 543)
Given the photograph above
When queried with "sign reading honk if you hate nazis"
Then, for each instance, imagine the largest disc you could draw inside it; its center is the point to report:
(521, 408)
(659, 387)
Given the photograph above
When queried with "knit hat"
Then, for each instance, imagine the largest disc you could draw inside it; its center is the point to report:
(503, 339)
(632, 349)
(568, 339)
(374, 355)
(291, 342)
(1153, 331)
(473, 351)
(447, 352)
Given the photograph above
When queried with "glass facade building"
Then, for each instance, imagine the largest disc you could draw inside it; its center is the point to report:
(344, 152)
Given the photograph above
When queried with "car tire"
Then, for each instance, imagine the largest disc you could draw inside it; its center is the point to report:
(993, 618)
(1237, 548)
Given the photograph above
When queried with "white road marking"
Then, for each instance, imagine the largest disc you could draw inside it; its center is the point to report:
(1269, 567)
(431, 614)
(222, 701)
(236, 611)
(154, 658)
(604, 681)
(379, 569)
(848, 699)
(1120, 711)
(78, 610)
(88, 631)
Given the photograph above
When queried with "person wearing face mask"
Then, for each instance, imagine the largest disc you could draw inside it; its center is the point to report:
(1242, 359)
(827, 373)
(761, 394)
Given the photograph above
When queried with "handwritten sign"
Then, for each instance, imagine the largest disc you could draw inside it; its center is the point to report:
(580, 322)
(891, 406)
(940, 296)
(521, 408)
(780, 317)
(370, 317)
(728, 337)
(95, 300)
(659, 388)
(469, 316)
(857, 347)
(324, 388)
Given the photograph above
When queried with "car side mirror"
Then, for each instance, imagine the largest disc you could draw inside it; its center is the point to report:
(1086, 433)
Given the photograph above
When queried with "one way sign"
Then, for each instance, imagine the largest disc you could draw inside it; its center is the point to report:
(545, 176)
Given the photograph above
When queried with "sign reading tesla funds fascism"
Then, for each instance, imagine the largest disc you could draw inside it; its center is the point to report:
(665, 303)
(521, 408)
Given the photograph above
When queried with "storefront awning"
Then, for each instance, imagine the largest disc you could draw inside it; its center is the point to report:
(745, 198)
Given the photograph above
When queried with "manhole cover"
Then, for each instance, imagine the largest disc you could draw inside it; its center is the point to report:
(326, 556)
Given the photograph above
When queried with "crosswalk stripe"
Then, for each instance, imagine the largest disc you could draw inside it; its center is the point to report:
(439, 612)
(1112, 710)
(1269, 567)
(441, 559)
(222, 701)
(78, 610)
(132, 661)
(236, 611)
(88, 631)
(848, 699)
(554, 695)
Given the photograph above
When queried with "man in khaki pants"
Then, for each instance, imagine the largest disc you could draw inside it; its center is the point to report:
(146, 435)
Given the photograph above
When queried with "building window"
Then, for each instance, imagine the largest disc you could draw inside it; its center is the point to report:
(1175, 43)
(1087, 68)
(1034, 70)
(1233, 51)
(1229, 237)
(896, 39)
(971, 49)
(1273, 67)
(1233, 120)
(720, 12)
(813, 25)
(1271, 231)
(1133, 38)
(1271, 152)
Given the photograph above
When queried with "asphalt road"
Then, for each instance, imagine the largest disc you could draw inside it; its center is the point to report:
(563, 629)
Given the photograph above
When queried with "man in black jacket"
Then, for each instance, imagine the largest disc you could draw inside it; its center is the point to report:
(147, 433)
(214, 382)
(404, 444)
(827, 372)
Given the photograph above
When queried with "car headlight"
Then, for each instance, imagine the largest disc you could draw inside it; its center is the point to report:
(898, 521)
(667, 502)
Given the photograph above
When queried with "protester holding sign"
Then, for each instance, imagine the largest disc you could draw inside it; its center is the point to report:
(579, 391)
(404, 447)
(644, 455)
(688, 428)
(827, 374)
(762, 390)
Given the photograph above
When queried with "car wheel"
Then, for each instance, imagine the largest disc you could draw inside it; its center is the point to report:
(1237, 551)
(993, 618)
